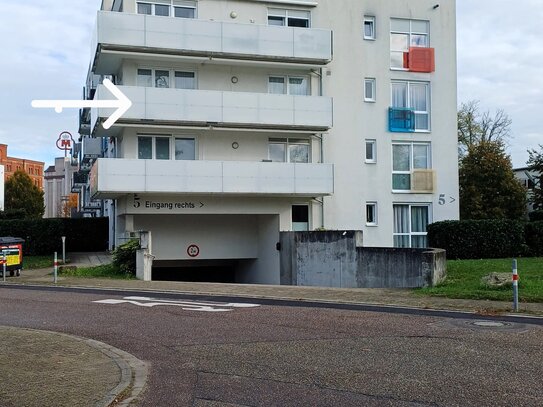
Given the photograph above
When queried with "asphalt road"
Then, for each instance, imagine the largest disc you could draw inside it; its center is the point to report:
(208, 354)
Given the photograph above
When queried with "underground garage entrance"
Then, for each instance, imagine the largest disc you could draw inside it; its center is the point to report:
(202, 271)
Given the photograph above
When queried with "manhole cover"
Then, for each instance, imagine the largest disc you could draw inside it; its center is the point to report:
(490, 324)
(483, 325)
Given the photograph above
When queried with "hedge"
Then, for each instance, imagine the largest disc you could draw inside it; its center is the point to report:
(43, 236)
(479, 239)
(534, 237)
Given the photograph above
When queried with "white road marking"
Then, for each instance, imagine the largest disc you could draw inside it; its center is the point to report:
(185, 305)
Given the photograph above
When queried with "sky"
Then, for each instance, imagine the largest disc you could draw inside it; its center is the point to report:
(46, 51)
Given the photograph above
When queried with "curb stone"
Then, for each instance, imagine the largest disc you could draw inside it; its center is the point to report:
(134, 371)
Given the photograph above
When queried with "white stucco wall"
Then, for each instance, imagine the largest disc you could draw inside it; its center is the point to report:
(354, 120)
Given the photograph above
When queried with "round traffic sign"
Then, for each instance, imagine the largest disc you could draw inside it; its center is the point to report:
(193, 250)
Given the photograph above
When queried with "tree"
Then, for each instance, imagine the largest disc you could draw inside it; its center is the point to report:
(21, 194)
(475, 127)
(535, 163)
(488, 187)
(67, 206)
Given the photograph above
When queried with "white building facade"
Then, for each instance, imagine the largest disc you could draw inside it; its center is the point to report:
(254, 117)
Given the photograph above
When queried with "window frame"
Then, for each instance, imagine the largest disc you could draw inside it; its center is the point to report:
(308, 217)
(428, 94)
(286, 84)
(412, 168)
(409, 34)
(371, 20)
(373, 84)
(286, 17)
(288, 142)
(373, 159)
(170, 4)
(171, 144)
(171, 77)
(375, 222)
(410, 233)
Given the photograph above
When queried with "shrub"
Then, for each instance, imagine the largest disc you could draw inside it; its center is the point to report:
(43, 236)
(124, 256)
(478, 239)
(534, 237)
(536, 216)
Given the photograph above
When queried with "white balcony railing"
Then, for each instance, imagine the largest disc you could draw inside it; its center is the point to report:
(111, 178)
(191, 37)
(216, 108)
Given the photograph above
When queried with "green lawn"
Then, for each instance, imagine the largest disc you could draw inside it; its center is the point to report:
(464, 280)
(37, 262)
(104, 271)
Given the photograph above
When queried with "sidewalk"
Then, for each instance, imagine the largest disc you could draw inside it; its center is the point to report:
(396, 297)
(42, 368)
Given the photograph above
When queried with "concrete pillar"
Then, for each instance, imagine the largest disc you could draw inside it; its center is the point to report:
(144, 257)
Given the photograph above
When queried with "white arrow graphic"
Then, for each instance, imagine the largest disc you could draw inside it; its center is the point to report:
(122, 103)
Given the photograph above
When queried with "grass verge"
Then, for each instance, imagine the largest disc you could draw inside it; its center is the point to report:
(103, 271)
(464, 280)
(37, 262)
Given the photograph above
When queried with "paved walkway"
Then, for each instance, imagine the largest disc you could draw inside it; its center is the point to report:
(98, 373)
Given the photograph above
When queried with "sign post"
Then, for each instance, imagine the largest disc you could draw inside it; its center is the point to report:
(4, 266)
(63, 249)
(515, 286)
(55, 265)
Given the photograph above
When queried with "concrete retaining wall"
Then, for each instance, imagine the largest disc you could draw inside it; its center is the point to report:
(337, 259)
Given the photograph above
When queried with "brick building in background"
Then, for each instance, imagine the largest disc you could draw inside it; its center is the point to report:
(11, 164)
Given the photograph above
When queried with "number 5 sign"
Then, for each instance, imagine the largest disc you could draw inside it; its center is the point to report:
(193, 250)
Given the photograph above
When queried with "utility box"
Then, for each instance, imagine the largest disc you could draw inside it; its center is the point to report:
(12, 248)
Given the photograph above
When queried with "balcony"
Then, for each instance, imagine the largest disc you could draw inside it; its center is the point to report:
(91, 149)
(79, 180)
(111, 178)
(116, 33)
(204, 108)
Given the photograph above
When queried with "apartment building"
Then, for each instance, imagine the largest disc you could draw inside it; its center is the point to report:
(254, 117)
(11, 164)
(57, 187)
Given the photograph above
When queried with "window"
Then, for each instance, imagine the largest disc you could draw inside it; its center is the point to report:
(410, 225)
(154, 147)
(407, 157)
(369, 90)
(290, 18)
(181, 9)
(145, 8)
(300, 218)
(164, 79)
(371, 151)
(371, 213)
(145, 148)
(405, 34)
(288, 85)
(416, 97)
(369, 27)
(162, 148)
(185, 80)
(185, 149)
(145, 77)
(289, 150)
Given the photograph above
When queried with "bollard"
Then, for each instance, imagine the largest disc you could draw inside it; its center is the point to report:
(515, 286)
(4, 267)
(63, 249)
(55, 264)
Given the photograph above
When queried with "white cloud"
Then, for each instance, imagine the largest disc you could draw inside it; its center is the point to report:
(45, 48)
(499, 49)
